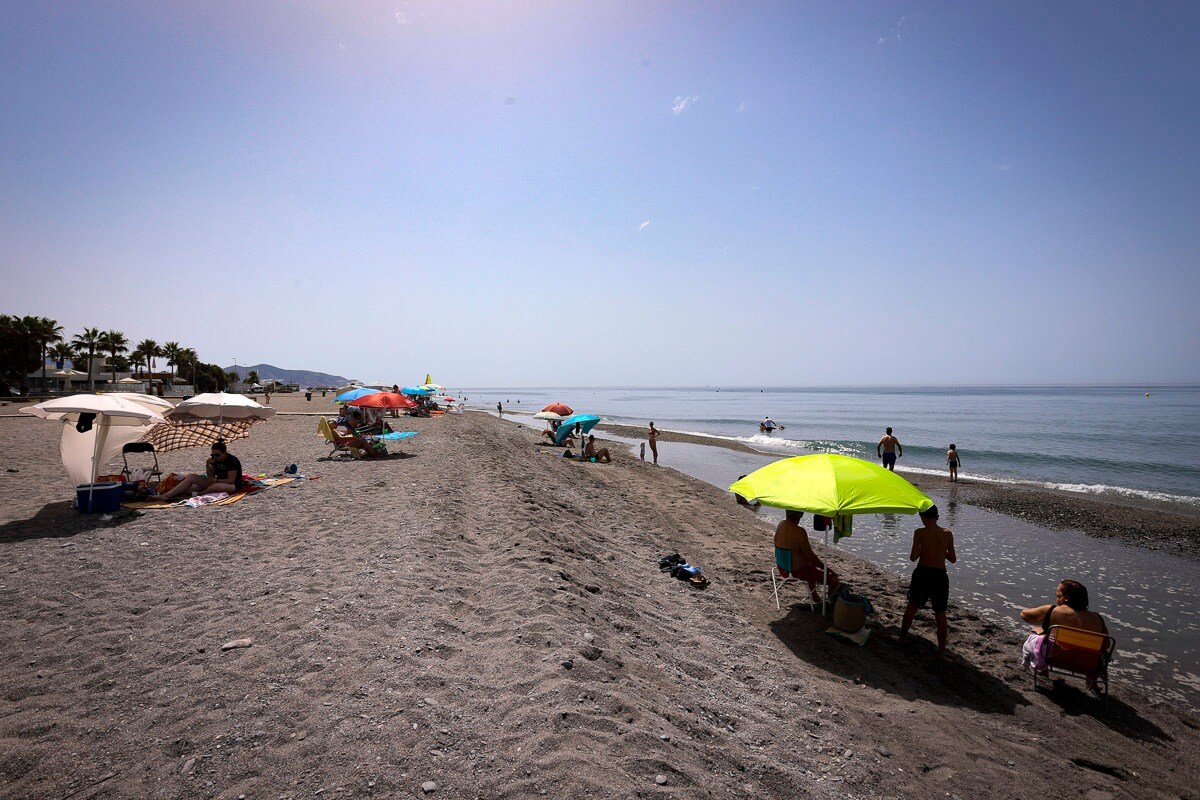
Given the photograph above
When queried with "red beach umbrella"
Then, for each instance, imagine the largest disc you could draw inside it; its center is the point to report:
(559, 408)
(383, 400)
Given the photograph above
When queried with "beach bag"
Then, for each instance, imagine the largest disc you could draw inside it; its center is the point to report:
(1034, 652)
(169, 482)
(850, 611)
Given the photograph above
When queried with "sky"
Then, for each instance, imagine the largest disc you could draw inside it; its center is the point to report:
(603, 193)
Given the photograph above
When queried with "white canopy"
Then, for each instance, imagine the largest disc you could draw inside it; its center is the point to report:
(118, 421)
(219, 406)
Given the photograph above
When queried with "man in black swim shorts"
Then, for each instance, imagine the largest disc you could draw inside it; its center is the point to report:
(932, 547)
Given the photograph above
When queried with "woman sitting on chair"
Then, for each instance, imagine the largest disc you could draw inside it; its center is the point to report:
(1070, 610)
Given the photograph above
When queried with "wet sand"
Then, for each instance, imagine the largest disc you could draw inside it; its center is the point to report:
(490, 617)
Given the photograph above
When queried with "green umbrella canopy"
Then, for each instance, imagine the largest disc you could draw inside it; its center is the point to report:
(829, 485)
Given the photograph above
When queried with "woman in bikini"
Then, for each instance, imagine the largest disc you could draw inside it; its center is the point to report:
(652, 436)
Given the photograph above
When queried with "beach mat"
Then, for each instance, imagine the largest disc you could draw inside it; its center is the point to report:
(257, 486)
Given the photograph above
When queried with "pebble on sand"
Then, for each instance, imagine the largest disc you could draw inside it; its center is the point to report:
(428, 787)
(661, 780)
(237, 643)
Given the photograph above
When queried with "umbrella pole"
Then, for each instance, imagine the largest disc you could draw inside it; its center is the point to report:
(825, 570)
(95, 455)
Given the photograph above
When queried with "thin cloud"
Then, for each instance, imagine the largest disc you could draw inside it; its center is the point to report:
(1005, 167)
(643, 226)
(682, 104)
(741, 108)
(401, 18)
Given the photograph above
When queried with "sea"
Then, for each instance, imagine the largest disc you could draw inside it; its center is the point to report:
(1123, 442)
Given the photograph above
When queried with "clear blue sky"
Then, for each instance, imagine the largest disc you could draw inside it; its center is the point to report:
(614, 193)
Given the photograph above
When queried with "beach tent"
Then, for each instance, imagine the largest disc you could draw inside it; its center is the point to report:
(833, 486)
(585, 421)
(109, 421)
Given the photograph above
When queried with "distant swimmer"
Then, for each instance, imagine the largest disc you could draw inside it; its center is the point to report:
(952, 461)
(889, 450)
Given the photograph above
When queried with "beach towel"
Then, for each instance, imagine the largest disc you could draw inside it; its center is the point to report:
(205, 499)
(251, 486)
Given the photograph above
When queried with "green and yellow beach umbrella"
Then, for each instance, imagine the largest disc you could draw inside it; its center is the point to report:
(831, 485)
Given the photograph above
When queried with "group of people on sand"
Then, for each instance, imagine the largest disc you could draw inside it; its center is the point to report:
(932, 549)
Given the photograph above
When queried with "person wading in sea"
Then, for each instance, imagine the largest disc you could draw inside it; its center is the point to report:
(888, 449)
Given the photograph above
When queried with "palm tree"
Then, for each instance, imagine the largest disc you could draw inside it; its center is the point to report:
(88, 342)
(172, 350)
(145, 352)
(114, 343)
(43, 333)
(62, 351)
(188, 358)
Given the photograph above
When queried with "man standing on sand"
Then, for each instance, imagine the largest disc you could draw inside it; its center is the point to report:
(499, 409)
(932, 547)
(887, 449)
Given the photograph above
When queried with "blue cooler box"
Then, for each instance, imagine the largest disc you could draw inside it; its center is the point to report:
(105, 497)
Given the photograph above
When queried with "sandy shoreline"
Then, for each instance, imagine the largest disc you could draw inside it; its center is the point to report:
(491, 618)
(1169, 528)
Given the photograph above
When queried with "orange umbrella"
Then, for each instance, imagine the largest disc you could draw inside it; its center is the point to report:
(559, 408)
(383, 400)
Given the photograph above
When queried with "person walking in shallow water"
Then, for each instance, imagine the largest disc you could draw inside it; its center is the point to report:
(652, 437)
(888, 449)
(499, 409)
(952, 461)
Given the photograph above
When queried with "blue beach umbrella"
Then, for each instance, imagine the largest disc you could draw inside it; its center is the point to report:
(416, 391)
(354, 394)
(585, 421)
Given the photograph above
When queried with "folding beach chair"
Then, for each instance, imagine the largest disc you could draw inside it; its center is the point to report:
(1083, 654)
(783, 561)
(139, 447)
(339, 442)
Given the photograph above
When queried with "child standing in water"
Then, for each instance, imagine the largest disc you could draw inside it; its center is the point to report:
(952, 460)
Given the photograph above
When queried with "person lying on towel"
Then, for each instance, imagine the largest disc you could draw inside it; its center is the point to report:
(789, 535)
(222, 473)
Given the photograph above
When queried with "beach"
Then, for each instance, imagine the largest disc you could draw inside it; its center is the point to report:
(486, 616)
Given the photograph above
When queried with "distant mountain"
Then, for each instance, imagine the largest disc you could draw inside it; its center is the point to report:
(267, 372)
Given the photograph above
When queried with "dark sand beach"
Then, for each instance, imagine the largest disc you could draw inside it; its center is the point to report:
(489, 617)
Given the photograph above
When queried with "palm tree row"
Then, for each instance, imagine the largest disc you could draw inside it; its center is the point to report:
(27, 341)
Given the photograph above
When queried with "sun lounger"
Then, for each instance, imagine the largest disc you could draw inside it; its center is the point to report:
(1084, 654)
(340, 442)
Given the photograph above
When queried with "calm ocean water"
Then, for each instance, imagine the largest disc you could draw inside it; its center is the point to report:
(1095, 439)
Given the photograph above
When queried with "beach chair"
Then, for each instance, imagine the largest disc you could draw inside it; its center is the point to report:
(139, 447)
(1083, 654)
(340, 443)
(783, 561)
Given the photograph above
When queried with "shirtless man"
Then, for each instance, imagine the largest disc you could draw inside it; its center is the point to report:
(888, 449)
(789, 535)
(652, 437)
(932, 547)
(499, 409)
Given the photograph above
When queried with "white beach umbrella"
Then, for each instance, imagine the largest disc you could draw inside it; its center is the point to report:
(219, 406)
(148, 400)
(549, 415)
(108, 423)
(129, 380)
